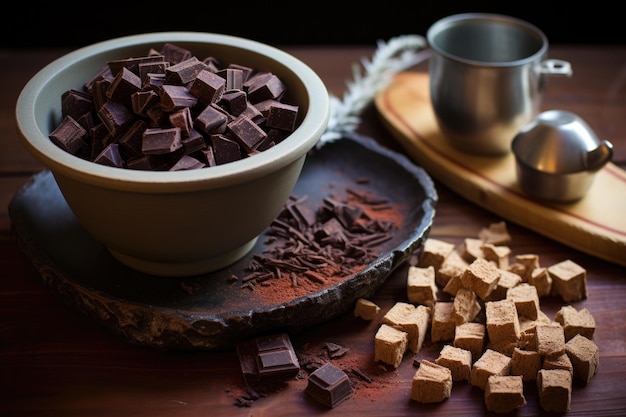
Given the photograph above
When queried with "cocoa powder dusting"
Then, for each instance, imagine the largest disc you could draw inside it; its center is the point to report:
(309, 249)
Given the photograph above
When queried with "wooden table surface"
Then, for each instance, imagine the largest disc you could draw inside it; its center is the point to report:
(56, 362)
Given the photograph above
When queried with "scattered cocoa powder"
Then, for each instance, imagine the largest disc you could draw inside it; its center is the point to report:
(309, 249)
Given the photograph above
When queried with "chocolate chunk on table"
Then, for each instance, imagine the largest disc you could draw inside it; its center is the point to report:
(268, 359)
(329, 385)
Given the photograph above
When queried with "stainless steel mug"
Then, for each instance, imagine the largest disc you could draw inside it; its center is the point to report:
(487, 76)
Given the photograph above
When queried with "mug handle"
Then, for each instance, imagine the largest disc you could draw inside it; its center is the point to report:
(556, 67)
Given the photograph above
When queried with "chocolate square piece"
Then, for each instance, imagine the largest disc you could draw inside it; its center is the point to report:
(329, 385)
(268, 359)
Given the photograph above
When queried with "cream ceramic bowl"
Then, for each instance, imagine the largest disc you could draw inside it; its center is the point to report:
(177, 223)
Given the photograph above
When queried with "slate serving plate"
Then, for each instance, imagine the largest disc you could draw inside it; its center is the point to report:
(160, 313)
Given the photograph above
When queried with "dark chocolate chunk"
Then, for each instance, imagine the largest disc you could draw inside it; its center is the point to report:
(270, 87)
(76, 103)
(161, 90)
(131, 141)
(154, 81)
(174, 53)
(194, 142)
(182, 119)
(115, 116)
(234, 101)
(132, 64)
(329, 385)
(157, 67)
(268, 359)
(99, 92)
(233, 77)
(69, 135)
(247, 133)
(187, 162)
(142, 100)
(208, 87)
(211, 120)
(161, 141)
(184, 72)
(174, 97)
(110, 156)
(224, 149)
(124, 85)
(282, 116)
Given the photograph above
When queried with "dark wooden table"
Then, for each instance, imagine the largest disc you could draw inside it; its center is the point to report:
(56, 362)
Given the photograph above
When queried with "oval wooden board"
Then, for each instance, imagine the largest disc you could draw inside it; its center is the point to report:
(595, 224)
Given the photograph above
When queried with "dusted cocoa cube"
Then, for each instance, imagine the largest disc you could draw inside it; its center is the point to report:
(366, 309)
(466, 306)
(496, 234)
(585, 357)
(561, 361)
(525, 363)
(504, 394)
(481, 277)
(490, 363)
(502, 322)
(499, 255)
(569, 281)
(442, 325)
(471, 249)
(410, 319)
(541, 279)
(453, 265)
(555, 390)
(434, 252)
(526, 300)
(453, 285)
(457, 360)
(421, 286)
(390, 344)
(550, 339)
(576, 322)
(432, 383)
(507, 281)
(529, 262)
(471, 336)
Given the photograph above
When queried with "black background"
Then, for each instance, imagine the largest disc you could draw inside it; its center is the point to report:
(52, 24)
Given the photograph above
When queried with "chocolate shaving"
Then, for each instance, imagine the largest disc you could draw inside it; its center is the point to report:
(334, 240)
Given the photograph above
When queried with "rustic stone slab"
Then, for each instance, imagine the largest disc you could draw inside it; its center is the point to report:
(212, 312)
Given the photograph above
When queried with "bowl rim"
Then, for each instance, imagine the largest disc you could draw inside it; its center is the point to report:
(60, 162)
